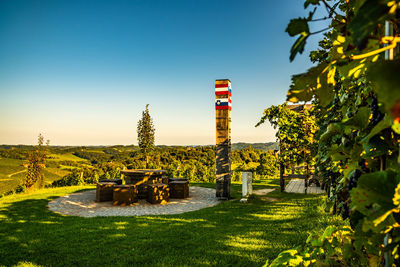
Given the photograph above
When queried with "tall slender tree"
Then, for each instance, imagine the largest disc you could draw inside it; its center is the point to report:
(36, 162)
(145, 131)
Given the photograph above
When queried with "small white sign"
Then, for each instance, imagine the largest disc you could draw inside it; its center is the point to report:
(247, 183)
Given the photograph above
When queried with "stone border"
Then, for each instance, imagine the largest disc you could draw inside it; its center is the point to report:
(83, 204)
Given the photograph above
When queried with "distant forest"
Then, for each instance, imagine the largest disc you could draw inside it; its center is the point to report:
(260, 146)
(86, 165)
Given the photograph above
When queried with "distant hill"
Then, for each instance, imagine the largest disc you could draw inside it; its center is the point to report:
(261, 146)
(129, 148)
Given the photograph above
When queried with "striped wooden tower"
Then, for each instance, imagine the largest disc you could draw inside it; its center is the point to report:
(223, 108)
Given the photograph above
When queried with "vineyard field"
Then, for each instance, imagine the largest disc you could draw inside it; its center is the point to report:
(12, 174)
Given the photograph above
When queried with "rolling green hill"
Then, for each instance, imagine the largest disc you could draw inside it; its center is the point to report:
(12, 173)
(260, 146)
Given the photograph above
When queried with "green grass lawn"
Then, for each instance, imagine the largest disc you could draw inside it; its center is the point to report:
(231, 233)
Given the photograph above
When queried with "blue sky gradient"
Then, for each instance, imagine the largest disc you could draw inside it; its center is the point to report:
(81, 72)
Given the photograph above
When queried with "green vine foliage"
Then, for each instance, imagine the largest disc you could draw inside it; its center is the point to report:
(355, 90)
(295, 133)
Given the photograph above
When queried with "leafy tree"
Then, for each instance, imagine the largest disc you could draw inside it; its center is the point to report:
(296, 131)
(36, 162)
(268, 164)
(145, 131)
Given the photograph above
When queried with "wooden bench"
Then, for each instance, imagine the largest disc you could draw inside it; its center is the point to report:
(179, 189)
(157, 193)
(116, 181)
(164, 180)
(104, 191)
(125, 194)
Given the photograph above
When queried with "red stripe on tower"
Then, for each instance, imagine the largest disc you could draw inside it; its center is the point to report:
(224, 107)
(223, 93)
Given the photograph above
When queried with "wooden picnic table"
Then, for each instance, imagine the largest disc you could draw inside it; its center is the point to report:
(142, 177)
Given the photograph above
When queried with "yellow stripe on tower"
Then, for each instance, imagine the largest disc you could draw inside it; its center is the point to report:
(222, 81)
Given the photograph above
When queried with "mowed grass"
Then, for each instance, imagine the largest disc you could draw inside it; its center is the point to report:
(229, 234)
(12, 173)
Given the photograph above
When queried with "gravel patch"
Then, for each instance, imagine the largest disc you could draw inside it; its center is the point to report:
(83, 204)
(262, 192)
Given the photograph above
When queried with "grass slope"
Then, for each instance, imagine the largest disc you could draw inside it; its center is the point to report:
(65, 157)
(12, 174)
(231, 233)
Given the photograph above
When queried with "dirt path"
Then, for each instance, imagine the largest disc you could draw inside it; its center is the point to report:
(9, 175)
(261, 192)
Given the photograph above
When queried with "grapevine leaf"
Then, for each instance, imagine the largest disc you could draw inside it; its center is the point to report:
(385, 79)
(325, 95)
(314, 81)
(375, 147)
(360, 120)
(303, 84)
(316, 242)
(396, 129)
(298, 46)
(383, 124)
(332, 129)
(295, 95)
(375, 188)
(355, 152)
(366, 19)
(338, 157)
(312, 2)
(396, 197)
(297, 26)
(324, 90)
(354, 68)
(288, 257)
(350, 169)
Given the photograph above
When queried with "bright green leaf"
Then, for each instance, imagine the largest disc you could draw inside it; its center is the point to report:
(298, 46)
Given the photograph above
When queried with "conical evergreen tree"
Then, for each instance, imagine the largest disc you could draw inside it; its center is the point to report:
(145, 131)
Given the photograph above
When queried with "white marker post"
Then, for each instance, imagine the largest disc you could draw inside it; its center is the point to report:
(247, 185)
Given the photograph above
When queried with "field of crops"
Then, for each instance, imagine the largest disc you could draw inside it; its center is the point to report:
(64, 157)
(12, 173)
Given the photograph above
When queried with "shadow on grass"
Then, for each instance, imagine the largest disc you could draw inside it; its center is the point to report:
(230, 233)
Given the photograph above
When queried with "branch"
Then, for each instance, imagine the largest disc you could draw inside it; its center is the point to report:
(320, 31)
(330, 8)
(324, 18)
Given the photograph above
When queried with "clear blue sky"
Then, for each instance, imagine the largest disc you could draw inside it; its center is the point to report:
(81, 72)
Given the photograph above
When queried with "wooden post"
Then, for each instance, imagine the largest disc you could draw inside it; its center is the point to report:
(223, 138)
(307, 176)
(282, 179)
